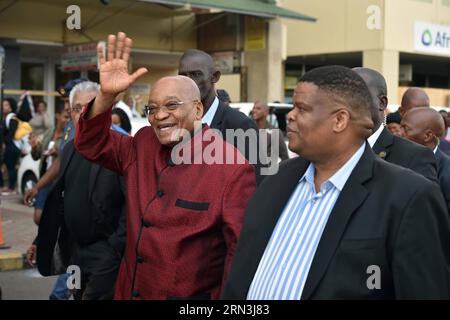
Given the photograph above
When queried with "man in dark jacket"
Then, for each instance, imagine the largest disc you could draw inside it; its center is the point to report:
(425, 126)
(199, 66)
(84, 216)
(338, 222)
(389, 147)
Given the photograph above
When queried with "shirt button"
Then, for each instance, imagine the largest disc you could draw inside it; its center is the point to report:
(139, 259)
(145, 223)
(135, 293)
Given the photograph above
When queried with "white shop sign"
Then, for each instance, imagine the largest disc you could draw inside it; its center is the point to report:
(432, 38)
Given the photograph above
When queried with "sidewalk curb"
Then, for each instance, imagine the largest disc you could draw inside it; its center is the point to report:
(11, 261)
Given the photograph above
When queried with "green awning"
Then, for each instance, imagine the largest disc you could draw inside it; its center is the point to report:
(260, 8)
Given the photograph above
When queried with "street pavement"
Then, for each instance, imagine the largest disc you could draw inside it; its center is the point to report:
(26, 284)
(19, 231)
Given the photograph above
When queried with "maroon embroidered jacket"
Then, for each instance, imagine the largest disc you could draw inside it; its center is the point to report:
(183, 220)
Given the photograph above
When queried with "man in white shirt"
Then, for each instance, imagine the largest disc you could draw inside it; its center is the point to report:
(199, 66)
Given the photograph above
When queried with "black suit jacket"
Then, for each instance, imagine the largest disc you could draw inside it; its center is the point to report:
(443, 163)
(106, 193)
(406, 154)
(385, 215)
(229, 118)
(444, 146)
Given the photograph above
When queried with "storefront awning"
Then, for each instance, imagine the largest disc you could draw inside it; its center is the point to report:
(260, 8)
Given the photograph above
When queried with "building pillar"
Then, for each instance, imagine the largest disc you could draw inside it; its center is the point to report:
(49, 86)
(265, 66)
(387, 62)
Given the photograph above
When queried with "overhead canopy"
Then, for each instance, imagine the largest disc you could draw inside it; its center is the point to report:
(260, 8)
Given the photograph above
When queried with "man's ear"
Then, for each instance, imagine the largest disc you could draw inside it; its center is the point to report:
(429, 136)
(342, 120)
(198, 110)
(383, 103)
(216, 76)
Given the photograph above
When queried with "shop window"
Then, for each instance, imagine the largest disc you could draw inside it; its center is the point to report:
(32, 76)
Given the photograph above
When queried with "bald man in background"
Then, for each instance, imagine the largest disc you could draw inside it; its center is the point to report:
(184, 219)
(425, 126)
(389, 147)
(260, 112)
(413, 98)
(418, 98)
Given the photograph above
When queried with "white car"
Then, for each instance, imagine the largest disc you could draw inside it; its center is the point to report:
(246, 107)
(28, 173)
(278, 113)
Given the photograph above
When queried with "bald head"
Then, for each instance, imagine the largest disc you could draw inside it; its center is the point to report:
(413, 98)
(184, 86)
(200, 56)
(374, 80)
(200, 67)
(260, 111)
(378, 89)
(423, 126)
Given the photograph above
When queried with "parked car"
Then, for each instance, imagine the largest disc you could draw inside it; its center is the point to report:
(28, 173)
(277, 116)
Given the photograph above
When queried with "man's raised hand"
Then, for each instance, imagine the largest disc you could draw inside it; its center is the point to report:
(114, 75)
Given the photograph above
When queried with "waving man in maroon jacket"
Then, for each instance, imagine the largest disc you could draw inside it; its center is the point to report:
(183, 219)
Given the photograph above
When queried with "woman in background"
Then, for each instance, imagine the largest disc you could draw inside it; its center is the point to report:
(120, 119)
(41, 120)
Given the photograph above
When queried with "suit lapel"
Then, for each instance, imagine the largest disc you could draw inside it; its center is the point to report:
(438, 161)
(280, 191)
(95, 169)
(383, 144)
(69, 150)
(350, 198)
(218, 117)
(261, 216)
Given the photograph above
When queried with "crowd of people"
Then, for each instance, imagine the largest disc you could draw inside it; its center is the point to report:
(368, 191)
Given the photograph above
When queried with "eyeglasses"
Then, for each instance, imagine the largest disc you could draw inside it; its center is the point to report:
(169, 107)
(76, 109)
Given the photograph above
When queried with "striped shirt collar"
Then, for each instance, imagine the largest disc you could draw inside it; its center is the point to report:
(339, 179)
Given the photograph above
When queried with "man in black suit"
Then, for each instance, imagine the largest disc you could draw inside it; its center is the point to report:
(418, 98)
(199, 66)
(83, 222)
(444, 144)
(389, 147)
(425, 126)
(338, 222)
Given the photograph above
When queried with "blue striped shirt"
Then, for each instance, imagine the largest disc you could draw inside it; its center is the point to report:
(284, 266)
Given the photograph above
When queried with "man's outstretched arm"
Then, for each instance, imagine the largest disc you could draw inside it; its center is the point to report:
(45, 180)
(94, 139)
